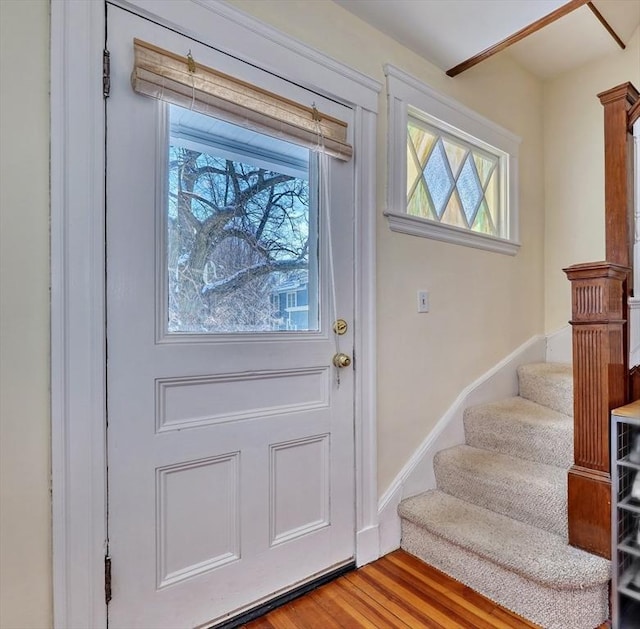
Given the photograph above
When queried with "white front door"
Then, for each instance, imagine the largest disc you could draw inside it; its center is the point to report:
(230, 438)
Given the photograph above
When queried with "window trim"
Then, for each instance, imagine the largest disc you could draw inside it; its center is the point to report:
(407, 96)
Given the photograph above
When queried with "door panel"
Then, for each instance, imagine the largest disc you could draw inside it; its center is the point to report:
(230, 445)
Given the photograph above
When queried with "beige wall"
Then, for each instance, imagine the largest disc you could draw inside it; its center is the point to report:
(25, 522)
(574, 170)
(483, 305)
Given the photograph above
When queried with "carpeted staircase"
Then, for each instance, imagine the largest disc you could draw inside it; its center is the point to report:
(498, 520)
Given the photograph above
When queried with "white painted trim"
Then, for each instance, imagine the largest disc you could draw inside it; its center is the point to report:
(294, 61)
(404, 86)
(77, 314)
(634, 330)
(560, 345)
(416, 226)
(634, 303)
(636, 212)
(367, 548)
(417, 474)
(301, 49)
(407, 94)
(77, 276)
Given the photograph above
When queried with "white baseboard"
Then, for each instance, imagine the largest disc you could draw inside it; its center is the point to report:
(417, 475)
(559, 346)
(367, 545)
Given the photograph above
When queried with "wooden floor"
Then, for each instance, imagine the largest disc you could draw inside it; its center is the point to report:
(395, 592)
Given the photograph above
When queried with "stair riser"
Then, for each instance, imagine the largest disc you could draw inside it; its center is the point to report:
(524, 442)
(545, 508)
(551, 608)
(552, 392)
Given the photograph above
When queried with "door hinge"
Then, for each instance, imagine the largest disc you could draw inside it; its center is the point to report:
(107, 579)
(106, 73)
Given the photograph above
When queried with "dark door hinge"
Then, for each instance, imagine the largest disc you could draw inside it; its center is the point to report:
(106, 73)
(107, 579)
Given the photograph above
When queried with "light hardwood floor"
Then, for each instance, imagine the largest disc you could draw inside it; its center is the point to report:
(395, 592)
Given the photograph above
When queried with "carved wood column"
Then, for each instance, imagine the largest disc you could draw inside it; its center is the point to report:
(599, 375)
(634, 302)
(618, 172)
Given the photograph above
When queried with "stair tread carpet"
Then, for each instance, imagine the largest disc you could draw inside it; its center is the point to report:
(545, 558)
(497, 521)
(522, 428)
(524, 490)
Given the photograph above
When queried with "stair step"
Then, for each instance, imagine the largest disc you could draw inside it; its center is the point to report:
(521, 428)
(548, 384)
(526, 569)
(531, 492)
(524, 549)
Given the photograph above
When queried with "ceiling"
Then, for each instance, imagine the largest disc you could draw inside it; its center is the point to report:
(447, 32)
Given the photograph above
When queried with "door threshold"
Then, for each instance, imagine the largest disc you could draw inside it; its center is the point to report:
(264, 608)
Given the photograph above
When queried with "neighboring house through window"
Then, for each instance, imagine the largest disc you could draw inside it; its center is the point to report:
(290, 302)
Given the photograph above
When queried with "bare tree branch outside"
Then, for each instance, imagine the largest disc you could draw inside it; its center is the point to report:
(237, 234)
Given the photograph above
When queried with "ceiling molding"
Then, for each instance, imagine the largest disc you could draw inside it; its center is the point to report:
(565, 9)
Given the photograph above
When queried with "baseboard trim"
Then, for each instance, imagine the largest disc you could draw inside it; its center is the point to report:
(417, 474)
(367, 545)
(560, 345)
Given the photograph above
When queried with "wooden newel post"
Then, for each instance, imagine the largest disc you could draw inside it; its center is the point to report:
(599, 385)
(599, 294)
(618, 172)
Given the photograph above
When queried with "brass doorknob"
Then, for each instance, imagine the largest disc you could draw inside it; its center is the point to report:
(341, 360)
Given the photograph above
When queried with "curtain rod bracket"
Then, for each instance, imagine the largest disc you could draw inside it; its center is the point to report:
(191, 64)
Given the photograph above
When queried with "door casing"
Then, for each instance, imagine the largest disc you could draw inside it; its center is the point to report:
(78, 351)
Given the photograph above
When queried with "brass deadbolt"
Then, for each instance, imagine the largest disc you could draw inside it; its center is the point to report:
(340, 327)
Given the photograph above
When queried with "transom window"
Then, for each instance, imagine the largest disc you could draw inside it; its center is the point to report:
(451, 181)
(453, 174)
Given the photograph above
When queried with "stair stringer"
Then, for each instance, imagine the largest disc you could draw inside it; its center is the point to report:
(417, 475)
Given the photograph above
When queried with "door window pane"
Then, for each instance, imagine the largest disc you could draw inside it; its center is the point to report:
(242, 230)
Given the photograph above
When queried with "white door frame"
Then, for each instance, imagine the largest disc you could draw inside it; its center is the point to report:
(78, 395)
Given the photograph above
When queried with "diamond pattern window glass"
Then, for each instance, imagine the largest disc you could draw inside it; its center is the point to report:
(451, 181)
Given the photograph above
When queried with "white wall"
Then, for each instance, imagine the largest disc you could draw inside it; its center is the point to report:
(25, 523)
(574, 170)
(483, 305)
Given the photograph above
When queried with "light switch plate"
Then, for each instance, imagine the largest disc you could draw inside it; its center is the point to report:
(423, 301)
